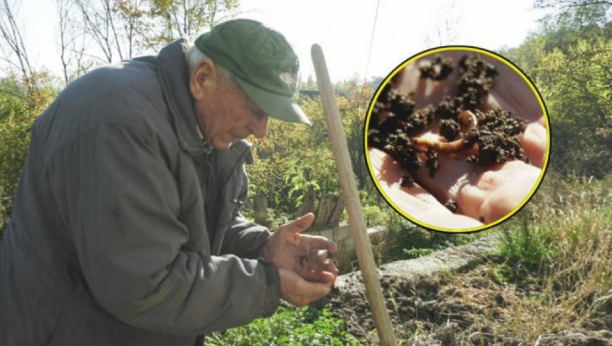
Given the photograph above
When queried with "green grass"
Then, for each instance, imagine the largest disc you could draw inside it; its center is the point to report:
(289, 326)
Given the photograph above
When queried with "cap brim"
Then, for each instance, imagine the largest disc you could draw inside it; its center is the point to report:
(278, 106)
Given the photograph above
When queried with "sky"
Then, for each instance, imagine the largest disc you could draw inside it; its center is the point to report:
(360, 38)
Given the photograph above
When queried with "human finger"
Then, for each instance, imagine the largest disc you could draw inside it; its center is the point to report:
(322, 276)
(534, 141)
(320, 255)
(298, 224)
(503, 200)
(415, 201)
(509, 186)
(469, 185)
(430, 211)
(309, 243)
(499, 191)
(391, 176)
(300, 292)
(318, 260)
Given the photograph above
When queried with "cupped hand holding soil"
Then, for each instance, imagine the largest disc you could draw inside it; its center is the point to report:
(482, 193)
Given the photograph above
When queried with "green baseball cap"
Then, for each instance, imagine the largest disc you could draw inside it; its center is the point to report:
(262, 61)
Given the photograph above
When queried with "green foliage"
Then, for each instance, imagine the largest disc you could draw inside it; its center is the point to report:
(375, 215)
(417, 252)
(406, 240)
(417, 242)
(570, 62)
(573, 213)
(294, 159)
(299, 181)
(168, 20)
(14, 138)
(527, 249)
(18, 109)
(289, 326)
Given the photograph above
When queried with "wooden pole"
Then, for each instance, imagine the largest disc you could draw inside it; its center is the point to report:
(349, 191)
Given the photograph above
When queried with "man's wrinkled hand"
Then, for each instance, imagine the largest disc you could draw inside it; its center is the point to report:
(288, 249)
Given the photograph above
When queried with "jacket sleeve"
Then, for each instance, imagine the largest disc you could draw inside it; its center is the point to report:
(243, 238)
(120, 204)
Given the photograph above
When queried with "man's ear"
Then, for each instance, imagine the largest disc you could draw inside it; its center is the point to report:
(202, 76)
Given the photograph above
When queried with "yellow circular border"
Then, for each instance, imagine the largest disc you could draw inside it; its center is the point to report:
(498, 58)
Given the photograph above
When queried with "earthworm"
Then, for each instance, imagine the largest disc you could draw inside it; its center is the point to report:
(428, 144)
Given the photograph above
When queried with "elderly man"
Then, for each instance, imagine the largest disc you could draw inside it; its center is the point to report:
(126, 227)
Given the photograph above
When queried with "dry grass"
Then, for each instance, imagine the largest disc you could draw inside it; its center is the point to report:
(558, 262)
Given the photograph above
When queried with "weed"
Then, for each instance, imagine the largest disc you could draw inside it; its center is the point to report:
(289, 326)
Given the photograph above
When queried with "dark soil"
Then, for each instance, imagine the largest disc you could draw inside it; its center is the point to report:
(451, 205)
(407, 181)
(498, 138)
(449, 129)
(395, 122)
(439, 69)
(465, 310)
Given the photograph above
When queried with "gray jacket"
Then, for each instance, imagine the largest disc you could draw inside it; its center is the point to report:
(108, 242)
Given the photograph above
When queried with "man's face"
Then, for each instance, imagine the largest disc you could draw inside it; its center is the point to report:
(225, 114)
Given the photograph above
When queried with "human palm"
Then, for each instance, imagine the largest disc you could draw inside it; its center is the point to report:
(482, 194)
(303, 254)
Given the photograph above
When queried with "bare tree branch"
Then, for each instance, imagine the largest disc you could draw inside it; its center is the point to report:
(98, 30)
(11, 36)
(566, 4)
(109, 12)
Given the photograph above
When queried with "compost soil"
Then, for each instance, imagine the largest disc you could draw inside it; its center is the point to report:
(440, 311)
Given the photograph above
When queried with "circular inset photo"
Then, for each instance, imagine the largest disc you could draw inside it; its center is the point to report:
(457, 139)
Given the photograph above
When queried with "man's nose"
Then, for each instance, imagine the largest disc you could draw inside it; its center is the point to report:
(259, 127)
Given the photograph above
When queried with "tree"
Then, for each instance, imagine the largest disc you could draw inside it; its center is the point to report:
(569, 5)
(13, 47)
(570, 62)
(184, 18)
(448, 22)
(103, 24)
(121, 29)
(72, 41)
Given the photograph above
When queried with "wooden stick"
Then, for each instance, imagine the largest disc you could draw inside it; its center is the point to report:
(349, 190)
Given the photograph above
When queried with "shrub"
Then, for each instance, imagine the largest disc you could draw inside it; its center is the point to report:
(17, 113)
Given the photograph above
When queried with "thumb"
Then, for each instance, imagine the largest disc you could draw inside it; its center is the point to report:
(300, 223)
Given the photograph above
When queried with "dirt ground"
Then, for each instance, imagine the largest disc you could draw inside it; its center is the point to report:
(473, 308)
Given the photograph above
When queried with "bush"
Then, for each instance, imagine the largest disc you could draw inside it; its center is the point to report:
(17, 113)
(15, 127)
(295, 159)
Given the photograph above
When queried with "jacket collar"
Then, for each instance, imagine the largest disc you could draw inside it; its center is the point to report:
(173, 74)
(174, 77)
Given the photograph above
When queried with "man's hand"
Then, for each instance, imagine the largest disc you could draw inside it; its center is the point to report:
(290, 250)
(300, 292)
(483, 194)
